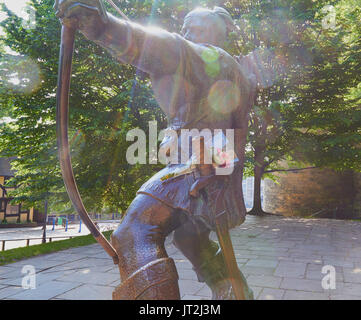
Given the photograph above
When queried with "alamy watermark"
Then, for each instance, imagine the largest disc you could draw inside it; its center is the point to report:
(184, 146)
(29, 280)
(329, 280)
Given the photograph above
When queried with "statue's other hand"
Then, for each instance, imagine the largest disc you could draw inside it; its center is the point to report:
(89, 14)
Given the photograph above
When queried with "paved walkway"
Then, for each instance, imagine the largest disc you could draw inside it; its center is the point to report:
(36, 233)
(282, 258)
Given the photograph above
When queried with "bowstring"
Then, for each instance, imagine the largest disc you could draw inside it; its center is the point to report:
(117, 9)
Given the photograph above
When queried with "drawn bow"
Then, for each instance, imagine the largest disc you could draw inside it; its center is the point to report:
(62, 107)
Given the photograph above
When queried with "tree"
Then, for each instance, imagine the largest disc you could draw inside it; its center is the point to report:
(298, 43)
(331, 96)
(273, 33)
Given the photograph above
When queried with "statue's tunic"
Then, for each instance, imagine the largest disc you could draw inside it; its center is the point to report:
(197, 86)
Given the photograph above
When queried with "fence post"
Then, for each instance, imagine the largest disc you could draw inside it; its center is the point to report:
(53, 225)
(27, 242)
(80, 226)
(45, 220)
(3, 246)
(66, 225)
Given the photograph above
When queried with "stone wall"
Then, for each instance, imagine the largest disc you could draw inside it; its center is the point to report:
(357, 200)
(303, 193)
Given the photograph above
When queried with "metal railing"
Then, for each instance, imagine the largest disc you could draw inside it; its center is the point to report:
(28, 240)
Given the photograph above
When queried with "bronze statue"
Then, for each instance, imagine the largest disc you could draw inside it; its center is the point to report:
(198, 85)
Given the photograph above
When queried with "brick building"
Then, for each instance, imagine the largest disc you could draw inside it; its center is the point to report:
(8, 212)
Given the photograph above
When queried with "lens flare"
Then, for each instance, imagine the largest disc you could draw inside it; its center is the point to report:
(224, 96)
(19, 74)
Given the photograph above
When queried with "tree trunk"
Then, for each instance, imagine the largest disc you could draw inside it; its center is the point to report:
(258, 173)
(257, 204)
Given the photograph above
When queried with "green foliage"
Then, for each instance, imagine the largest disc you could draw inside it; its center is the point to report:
(328, 106)
(311, 113)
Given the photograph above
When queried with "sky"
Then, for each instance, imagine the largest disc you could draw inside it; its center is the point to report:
(17, 6)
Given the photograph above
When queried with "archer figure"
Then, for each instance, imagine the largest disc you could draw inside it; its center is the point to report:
(198, 85)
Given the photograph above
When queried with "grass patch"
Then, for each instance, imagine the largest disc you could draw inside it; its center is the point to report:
(17, 254)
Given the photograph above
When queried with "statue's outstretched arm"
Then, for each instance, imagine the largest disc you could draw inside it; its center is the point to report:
(154, 51)
(149, 49)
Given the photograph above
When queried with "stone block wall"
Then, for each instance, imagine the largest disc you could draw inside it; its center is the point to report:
(306, 192)
(357, 200)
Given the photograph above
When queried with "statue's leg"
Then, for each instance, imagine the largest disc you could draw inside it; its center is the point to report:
(207, 260)
(146, 271)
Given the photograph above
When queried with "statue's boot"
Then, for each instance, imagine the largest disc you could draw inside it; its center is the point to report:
(146, 271)
(207, 260)
(157, 280)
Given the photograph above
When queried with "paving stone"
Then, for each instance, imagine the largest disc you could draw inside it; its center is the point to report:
(187, 274)
(39, 263)
(9, 291)
(319, 267)
(271, 294)
(353, 289)
(352, 275)
(264, 281)
(270, 255)
(344, 297)
(45, 291)
(338, 262)
(6, 270)
(356, 262)
(193, 297)
(290, 269)
(90, 277)
(241, 261)
(88, 292)
(66, 257)
(258, 271)
(88, 263)
(268, 250)
(40, 278)
(12, 273)
(304, 295)
(205, 291)
(115, 283)
(317, 275)
(256, 291)
(301, 284)
(262, 263)
(183, 264)
(355, 252)
(244, 254)
(190, 286)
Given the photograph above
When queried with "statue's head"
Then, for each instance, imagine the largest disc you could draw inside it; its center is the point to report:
(208, 26)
